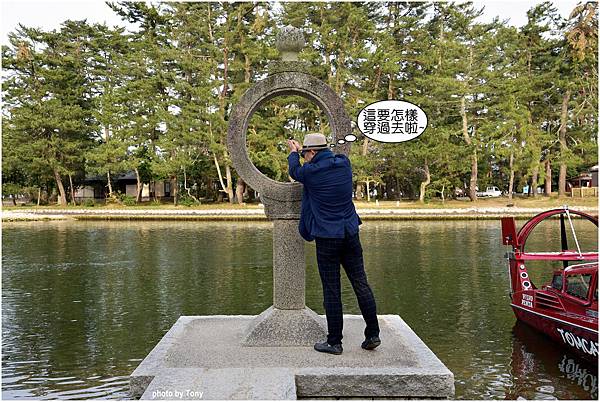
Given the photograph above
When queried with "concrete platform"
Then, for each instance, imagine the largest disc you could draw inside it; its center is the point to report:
(201, 357)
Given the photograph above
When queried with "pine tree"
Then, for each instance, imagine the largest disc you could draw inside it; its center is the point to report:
(49, 100)
(108, 76)
(146, 94)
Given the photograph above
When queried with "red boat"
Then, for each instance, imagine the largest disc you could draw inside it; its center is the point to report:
(566, 309)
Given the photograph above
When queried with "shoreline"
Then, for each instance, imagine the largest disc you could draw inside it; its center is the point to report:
(257, 214)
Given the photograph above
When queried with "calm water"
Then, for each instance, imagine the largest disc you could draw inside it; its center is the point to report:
(83, 303)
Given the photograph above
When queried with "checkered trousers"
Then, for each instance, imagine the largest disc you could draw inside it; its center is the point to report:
(348, 252)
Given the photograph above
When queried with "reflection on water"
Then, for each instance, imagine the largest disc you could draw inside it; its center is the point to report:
(536, 363)
(585, 376)
(84, 302)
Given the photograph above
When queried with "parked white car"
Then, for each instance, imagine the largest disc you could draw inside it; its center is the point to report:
(492, 191)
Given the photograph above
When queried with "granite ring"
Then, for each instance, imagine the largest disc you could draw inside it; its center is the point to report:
(281, 84)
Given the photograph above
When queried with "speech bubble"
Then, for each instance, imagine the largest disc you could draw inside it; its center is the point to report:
(392, 121)
(347, 138)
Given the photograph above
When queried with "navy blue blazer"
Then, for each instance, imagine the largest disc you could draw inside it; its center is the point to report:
(327, 208)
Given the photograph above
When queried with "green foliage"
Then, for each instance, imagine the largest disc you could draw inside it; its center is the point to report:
(47, 118)
(127, 200)
(11, 188)
(121, 199)
(91, 100)
(113, 198)
(187, 201)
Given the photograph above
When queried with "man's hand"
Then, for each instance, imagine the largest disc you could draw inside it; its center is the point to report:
(294, 145)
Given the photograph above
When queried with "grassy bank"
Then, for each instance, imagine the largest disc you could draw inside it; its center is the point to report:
(500, 202)
(242, 218)
(484, 209)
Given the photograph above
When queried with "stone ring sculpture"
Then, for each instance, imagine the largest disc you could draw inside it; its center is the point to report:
(280, 84)
(288, 322)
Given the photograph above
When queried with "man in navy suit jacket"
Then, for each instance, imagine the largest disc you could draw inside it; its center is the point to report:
(328, 216)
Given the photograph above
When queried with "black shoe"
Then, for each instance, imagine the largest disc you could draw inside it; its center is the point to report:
(371, 343)
(327, 348)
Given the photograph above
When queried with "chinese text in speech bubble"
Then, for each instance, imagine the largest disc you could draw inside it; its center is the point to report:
(392, 121)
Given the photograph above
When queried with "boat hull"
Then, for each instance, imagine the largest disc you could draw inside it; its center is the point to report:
(581, 340)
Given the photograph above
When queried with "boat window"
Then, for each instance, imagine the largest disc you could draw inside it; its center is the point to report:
(557, 282)
(578, 285)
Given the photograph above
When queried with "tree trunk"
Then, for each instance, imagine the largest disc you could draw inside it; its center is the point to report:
(368, 190)
(225, 188)
(562, 138)
(229, 188)
(359, 188)
(39, 196)
(72, 189)
(534, 180)
(210, 34)
(174, 189)
(138, 188)
(377, 79)
(465, 131)
(365, 146)
(53, 196)
(473, 180)
(210, 191)
(219, 172)
(247, 72)
(107, 139)
(186, 188)
(358, 194)
(511, 180)
(425, 183)
(338, 82)
(223, 93)
(46, 193)
(110, 189)
(548, 179)
(239, 190)
(61, 189)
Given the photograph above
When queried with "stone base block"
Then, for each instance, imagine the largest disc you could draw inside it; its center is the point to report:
(202, 357)
(275, 327)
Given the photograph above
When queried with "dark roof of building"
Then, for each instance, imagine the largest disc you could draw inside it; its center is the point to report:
(115, 177)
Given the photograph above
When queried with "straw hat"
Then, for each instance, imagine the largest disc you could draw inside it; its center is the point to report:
(314, 141)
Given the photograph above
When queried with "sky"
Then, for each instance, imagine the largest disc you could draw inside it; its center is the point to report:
(48, 14)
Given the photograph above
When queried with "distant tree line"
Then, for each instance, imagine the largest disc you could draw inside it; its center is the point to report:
(507, 106)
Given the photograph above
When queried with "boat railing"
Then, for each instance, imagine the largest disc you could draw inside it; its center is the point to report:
(554, 256)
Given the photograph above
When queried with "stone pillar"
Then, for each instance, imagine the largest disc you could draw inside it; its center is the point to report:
(288, 265)
(288, 322)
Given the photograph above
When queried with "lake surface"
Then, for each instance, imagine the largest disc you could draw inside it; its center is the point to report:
(84, 302)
